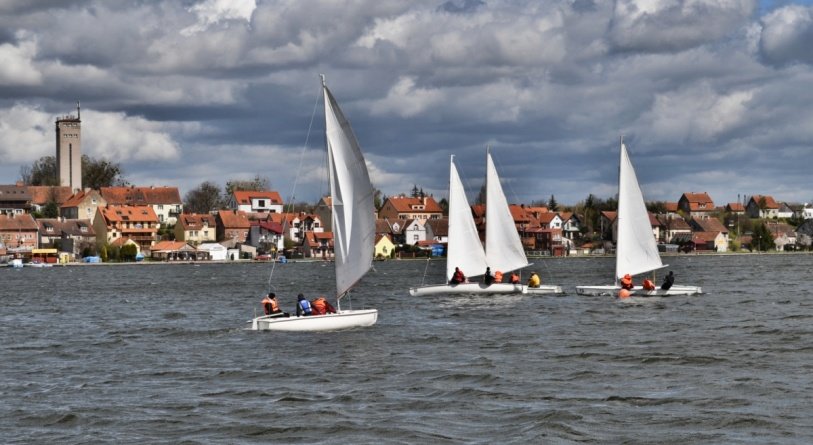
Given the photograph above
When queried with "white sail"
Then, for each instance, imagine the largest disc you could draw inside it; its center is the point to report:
(504, 250)
(464, 248)
(352, 199)
(637, 251)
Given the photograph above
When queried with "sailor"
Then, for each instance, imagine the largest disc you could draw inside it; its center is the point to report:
(623, 293)
(268, 303)
(626, 282)
(668, 281)
(487, 277)
(321, 307)
(648, 284)
(457, 276)
(303, 306)
(534, 280)
(498, 277)
(514, 278)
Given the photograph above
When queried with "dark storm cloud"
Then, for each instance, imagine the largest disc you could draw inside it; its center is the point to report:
(705, 92)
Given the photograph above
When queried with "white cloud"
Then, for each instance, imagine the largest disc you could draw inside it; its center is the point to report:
(119, 137)
(211, 12)
(17, 66)
(787, 34)
(26, 134)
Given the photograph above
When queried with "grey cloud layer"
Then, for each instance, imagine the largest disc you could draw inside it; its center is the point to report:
(711, 95)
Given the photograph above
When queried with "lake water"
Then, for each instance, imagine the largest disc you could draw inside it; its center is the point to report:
(159, 354)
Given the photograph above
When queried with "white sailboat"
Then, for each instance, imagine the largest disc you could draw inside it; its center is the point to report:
(636, 250)
(503, 251)
(353, 227)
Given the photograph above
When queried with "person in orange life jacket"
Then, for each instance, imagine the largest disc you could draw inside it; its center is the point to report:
(303, 306)
(648, 284)
(626, 282)
(487, 277)
(321, 307)
(514, 278)
(668, 281)
(498, 277)
(457, 276)
(271, 306)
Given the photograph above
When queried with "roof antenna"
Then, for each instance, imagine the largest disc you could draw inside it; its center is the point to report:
(78, 110)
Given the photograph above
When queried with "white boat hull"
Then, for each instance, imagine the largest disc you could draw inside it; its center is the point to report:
(481, 288)
(639, 291)
(345, 319)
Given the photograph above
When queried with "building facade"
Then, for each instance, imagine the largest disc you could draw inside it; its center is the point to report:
(69, 150)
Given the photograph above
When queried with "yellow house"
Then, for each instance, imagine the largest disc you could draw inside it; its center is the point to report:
(383, 246)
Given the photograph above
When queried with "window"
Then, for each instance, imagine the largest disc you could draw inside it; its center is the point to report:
(160, 207)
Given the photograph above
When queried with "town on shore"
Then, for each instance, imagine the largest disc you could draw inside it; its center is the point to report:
(48, 216)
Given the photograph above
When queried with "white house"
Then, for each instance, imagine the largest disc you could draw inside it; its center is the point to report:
(251, 201)
(414, 232)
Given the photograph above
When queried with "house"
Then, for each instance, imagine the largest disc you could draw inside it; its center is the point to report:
(762, 206)
(696, 204)
(165, 201)
(138, 223)
(713, 241)
(784, 211)
(708, 225)
(606, 219)
(232, 225)
(215, 251)
(607, 224)
(571, 225)
(196, 228)
(324, 210)
(175, 251)
(670, 226)
(42, 195)
(384, 247)
(437, 230)
(267, 236)
(806, 212)
(14, 199)
(671, 208)
(296, 224)
(19, 233)
(68, 235)
(420, 209)
(783, 234)
(255, 201)
(82, 205)
(735, 208)
(414, 232)
(317, 245)
(393, 228)
(543, 240)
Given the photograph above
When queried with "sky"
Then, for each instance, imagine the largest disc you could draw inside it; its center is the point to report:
(710, 95)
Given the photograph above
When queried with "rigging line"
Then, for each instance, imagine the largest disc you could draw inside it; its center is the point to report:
(296, 181)
(423, 279)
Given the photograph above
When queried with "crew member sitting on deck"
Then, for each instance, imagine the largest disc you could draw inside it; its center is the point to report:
(534, 280)
(303, 306)
(648, 284)
(457, 276)
(271, 306)
(668, 281)
(514, 278)
(487, 277)
(498, 277)
(321, 307)
(626, 282)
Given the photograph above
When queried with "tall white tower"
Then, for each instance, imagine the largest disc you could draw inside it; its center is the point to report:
(69, 150)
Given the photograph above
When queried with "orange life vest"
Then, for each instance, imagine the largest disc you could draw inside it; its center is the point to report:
(514, 278)
(498, 277)
(648, 284)
(319, 306)
(623, 293)
(274, 306)
(626, 282)
(268, 305)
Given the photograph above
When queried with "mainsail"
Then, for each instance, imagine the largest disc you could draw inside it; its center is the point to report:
(352, 199)
(464, 248)
(636, 250)
(504, 251)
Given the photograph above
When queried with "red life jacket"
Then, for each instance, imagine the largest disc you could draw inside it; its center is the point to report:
(648, 284)
(498, 277)
(319, 306)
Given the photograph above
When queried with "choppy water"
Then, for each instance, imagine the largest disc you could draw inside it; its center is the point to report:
(151, 354)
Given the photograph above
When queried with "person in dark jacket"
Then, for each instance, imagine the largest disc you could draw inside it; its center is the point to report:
(487, 277)
(668, 281)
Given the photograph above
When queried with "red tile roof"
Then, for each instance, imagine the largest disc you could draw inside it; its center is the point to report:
(671, 207)
(76, 199)
(709, 225)
(234, 219)
(141, 195)
(18, 222)
(129, 213)
(170, 245)
(194, 221)
(735, 207)
(770, 203)
(403, 204)
(41, 194)
(699, 201)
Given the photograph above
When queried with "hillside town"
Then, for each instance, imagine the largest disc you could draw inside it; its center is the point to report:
(41, 224)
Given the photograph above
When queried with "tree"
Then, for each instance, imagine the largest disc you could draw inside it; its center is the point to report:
(98, 173)
(203, 199)
(129, 252)
(414, 193)
(258, 184)
(42, 172)
(762, 239)
(553, 206)
(444, 206)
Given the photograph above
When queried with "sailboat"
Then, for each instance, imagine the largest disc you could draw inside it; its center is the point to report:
(503, 251)
(353, 227)
(636, 251)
